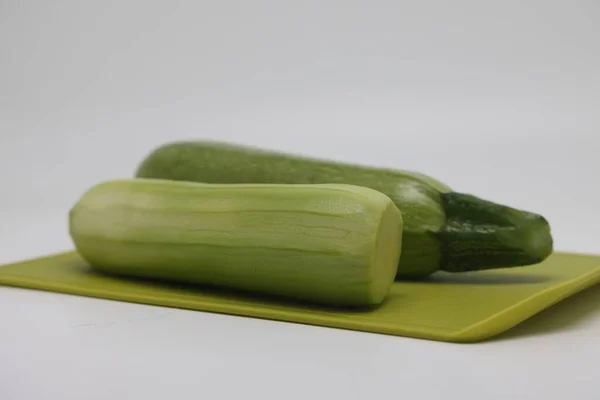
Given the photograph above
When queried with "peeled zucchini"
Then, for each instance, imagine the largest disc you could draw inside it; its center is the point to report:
(443, 230)
(331, 244)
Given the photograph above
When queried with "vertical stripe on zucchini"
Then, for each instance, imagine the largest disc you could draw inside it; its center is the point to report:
(334, 244)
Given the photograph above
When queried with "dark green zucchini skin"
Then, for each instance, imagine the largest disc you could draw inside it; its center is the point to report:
(443, 229)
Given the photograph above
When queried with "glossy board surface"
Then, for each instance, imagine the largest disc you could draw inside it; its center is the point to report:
(463, 307)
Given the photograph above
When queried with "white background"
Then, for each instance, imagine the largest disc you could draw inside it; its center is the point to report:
(499, 99)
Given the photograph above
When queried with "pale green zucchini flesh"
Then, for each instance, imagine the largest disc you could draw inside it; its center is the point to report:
(443, 230)
(332, 244)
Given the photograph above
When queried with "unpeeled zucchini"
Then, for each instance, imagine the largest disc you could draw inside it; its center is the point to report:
(443, 230)
(331, 244)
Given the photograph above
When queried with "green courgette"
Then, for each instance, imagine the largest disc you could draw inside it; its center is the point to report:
(443, 229)
(334, 244)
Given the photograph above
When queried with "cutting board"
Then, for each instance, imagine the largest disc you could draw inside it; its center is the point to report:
(464, 307)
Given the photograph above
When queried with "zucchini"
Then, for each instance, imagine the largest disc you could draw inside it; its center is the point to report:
(443, 229)
(334, 244)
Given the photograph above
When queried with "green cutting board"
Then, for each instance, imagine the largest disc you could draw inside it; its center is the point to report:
(448, 307)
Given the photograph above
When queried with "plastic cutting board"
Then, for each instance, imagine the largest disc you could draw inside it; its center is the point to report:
(448, 307)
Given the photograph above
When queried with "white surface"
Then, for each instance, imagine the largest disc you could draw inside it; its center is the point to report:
(498, 99)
